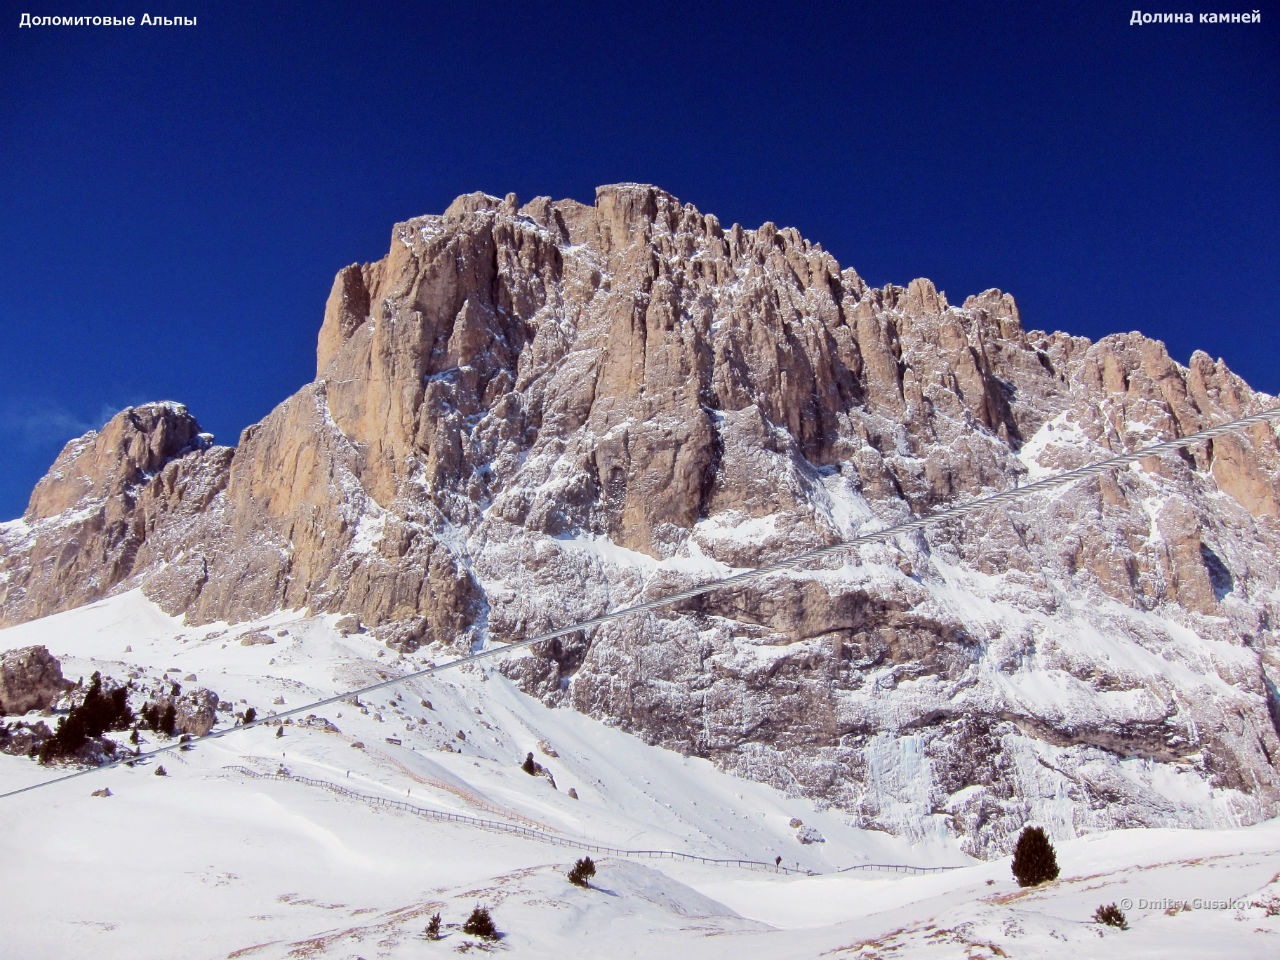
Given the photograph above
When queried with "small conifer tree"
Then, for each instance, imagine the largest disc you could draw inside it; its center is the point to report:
(168, 722)
(1034, 861)
(96, 713)
(66, 741)
(480, 924)
(582, 872)
(1112, 916)
(160, 771)
(433, 927)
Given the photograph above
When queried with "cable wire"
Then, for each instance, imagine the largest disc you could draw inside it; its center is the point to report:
(789, 563)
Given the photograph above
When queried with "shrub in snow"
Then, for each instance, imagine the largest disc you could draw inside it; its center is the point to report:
(480, 924)
(433, 928)
(1112, 916)
(582, 872)
(1034, 861)
(160, 771)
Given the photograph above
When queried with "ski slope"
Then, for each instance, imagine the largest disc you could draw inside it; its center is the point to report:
(209, 862)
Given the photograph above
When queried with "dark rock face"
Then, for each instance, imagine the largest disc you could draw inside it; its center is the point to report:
(527, 415)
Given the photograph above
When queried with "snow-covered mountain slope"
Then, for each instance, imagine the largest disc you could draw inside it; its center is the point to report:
(211, 862)
(526, 415)
(461, 752)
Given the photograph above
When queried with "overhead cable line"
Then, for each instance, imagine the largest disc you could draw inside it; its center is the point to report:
(789, 563)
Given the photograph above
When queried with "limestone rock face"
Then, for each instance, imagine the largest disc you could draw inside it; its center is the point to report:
(30, 679)
(525, 415)
(86, 528)
(134, 444)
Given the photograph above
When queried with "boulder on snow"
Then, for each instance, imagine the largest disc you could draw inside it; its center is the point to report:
(348, 625)
(535, 769)
(19, 741)
(195, 712)
(30, 679)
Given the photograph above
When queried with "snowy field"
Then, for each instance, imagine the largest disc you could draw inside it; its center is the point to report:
(211, 861)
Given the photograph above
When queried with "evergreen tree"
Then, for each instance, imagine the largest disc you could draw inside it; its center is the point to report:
(433, 928)
(582, 872)
(66, 740)
(480, 924)
(168, 720)
(1034, 861)
(121, 715)
(96, 713)
(1112, 916)
(160, 716)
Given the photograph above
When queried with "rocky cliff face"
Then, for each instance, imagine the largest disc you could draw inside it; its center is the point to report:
(87, 525)
(526, 415)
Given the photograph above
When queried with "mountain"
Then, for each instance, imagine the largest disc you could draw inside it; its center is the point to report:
(524, 416)
(343, 835)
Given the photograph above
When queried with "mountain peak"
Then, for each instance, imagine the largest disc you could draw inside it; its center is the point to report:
(133, 444)
(529, 414)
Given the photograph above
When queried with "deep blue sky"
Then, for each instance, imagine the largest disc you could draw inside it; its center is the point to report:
(177, 200)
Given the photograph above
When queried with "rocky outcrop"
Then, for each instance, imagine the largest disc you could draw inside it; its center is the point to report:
(30, 679)
(87, 527)
(24, 739)
(195, 712)
(528, 414)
